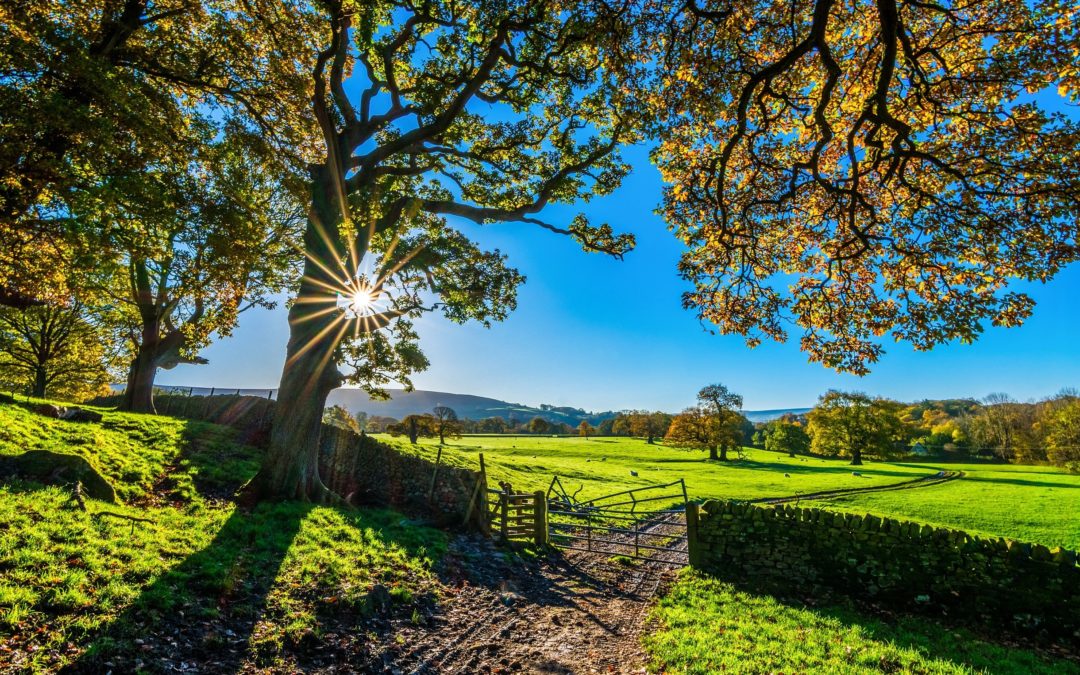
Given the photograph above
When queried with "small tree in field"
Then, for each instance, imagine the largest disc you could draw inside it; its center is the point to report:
(649, 425)
(585, 429)
(338, 416)
(415, 427)
(852, 423)
(54, 350)
(784, 436)
(695, 429)
(446, 423)
(1062, 428)
(539, 425)
(723, 407)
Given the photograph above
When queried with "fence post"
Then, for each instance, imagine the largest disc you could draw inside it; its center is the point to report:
(541, 515)
(693, 546)
(472, 503)
(504, 505)
(434, 475)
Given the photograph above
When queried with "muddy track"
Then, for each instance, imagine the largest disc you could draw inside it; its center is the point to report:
(924, 482)
(568, 612)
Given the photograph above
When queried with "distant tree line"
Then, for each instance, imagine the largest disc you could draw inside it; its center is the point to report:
(857, 425)
(852, 425)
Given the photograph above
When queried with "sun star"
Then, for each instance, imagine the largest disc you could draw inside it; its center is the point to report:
(362, 301)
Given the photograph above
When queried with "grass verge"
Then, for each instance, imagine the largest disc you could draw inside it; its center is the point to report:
(704, 625)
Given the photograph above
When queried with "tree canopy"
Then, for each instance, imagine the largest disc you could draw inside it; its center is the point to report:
(867, 169)
(92, 91)
(852, 424)
(55, 350)
(785, 436)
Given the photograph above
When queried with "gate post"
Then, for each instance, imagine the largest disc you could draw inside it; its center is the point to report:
(540, 513)
(693, 546)
(504, 503)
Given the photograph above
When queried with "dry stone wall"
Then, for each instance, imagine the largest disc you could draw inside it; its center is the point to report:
(1025, 588)
(252, 416)
(366, 471)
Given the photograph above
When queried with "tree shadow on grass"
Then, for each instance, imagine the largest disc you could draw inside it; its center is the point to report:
(205, 609)
(825, 624)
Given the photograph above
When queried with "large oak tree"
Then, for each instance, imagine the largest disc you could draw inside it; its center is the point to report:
(482, 112)
(212, 236)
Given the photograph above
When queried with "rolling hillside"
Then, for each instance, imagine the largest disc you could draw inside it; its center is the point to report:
(467, 406)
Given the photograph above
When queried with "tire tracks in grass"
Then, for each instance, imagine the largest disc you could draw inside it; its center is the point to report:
(939, 478)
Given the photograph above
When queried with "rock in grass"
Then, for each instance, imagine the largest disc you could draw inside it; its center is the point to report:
(57, 468)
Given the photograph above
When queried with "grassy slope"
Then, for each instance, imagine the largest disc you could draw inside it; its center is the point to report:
(1040, 504)
(603, 465)
(71, 581)
(1030, 503)
(707, 626)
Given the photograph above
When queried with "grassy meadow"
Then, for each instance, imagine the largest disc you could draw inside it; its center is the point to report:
(258, 589)
(1031, 503)
(80, 588)
(704, 626)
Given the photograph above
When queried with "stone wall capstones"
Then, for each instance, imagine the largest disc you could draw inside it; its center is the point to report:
(1026, 588)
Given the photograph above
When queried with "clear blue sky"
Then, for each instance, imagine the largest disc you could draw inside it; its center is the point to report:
(602, 334)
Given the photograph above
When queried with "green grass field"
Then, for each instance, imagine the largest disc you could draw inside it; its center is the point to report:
(70, 580)
(703, 626)
(80, 588)
(1031, 503)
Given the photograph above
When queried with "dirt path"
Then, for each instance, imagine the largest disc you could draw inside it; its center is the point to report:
(926, 481)
(570, 612)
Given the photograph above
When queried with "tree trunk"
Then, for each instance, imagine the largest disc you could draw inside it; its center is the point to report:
(723, 453)
(290, 469)
(139, 396)
(649, 440)
(712, 452)
(856, 457)
(41, 382)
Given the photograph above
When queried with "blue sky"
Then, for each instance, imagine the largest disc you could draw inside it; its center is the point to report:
(602, 334)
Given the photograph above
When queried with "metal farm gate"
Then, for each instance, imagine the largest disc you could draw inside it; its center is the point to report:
(646, 523)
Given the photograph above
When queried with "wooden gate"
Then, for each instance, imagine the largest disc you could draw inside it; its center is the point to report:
(519, 515)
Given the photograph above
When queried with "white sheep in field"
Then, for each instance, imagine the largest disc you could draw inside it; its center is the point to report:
(856, 474)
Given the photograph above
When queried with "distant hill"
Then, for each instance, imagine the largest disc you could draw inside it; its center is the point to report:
(467, 406)
(769, 415)
(479, 407)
